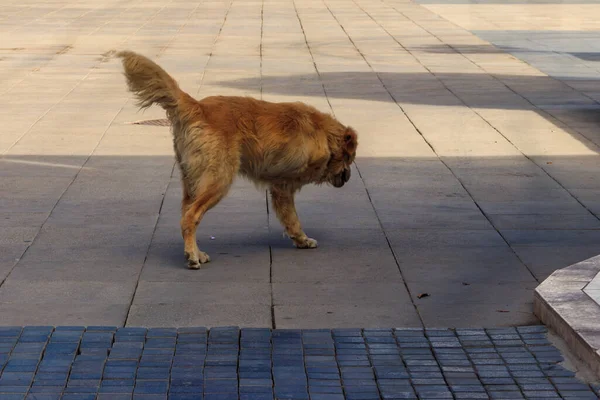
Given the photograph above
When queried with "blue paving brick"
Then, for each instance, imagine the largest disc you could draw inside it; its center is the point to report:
(113, 396)
(255, 382)
(80, 390)
(220, 373)
(165, 352)
(256, 389)
(199, 340)
(151, 387)
(116, 389)
(129, 338)
(362, 396)
(346, 332)
(143, 396)
(390, 373)
(185, 396)
(65, 336)
(10, 331)
(28, 348)
(153, 373)
(256, 396)
(220, 396)
(34, 396)
(46, 389)
(13, 389)
(97, 336)
(291, 393)
(187, 381)
(196, 390)
(78, 396)
(193, 330)
(119, 374)
(161, 333)
(52, 376)
(101, 328)
(127, 346)
(159, 360)
(255, 374)
(221, 386)
(83, 383)
(224, 334)
(62, 348)
(255, 334)
(316, 388)
(69, 328)
(380, 340)
(131, 331)
(327, 396)
(49, 382)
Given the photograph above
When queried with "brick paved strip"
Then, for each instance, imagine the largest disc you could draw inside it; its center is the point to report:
(104, 362)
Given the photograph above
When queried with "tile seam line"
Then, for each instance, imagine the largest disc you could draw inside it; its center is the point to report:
(137, 282)
(441, 159)
(273, 322)
(212, 47)
(476, 112)
(394, 255)
(87, 158)
(187, 20)
(312, 56)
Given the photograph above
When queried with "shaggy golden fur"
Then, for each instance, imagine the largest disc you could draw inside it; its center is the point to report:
(281, 145)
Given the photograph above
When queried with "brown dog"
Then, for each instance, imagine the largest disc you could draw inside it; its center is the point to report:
(281, 145)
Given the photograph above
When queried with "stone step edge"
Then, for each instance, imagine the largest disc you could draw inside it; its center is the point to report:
(562, 305)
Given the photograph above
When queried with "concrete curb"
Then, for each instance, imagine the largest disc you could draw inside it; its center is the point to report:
(561, 304)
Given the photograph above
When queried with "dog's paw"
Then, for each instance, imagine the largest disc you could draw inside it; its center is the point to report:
(195, 261)
(307, 243)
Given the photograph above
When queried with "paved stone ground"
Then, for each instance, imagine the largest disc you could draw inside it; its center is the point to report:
(476, 177)
(259, 364)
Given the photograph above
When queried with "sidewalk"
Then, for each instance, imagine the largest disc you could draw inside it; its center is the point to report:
(476, 176)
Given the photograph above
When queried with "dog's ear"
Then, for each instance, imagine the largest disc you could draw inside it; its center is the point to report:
(350, 143)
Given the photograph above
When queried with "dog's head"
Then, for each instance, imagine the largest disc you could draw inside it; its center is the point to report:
(341, 158)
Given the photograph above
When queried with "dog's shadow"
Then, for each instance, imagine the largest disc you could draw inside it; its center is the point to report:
(227, 249)
(254, 250)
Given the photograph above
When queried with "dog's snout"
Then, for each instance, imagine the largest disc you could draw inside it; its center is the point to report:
(346, 175)
(341, 178)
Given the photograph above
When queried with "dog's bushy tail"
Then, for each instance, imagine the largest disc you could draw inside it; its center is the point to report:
(150, 83)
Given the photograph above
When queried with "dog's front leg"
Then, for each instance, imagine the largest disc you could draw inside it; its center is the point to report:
(208, 193)
(283, 202)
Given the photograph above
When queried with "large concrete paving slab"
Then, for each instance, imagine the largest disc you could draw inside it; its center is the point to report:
(476, 177)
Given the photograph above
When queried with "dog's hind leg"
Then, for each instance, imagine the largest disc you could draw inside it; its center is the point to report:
(285, 208)
(206, 195)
